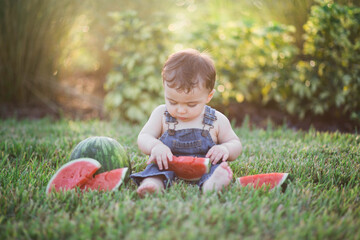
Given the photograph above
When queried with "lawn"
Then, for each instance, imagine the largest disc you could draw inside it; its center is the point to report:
(321, 201)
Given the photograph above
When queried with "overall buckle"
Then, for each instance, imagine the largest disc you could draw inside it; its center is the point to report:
(171, 127)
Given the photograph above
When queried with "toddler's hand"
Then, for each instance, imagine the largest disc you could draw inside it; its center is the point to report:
(217, 153)
(160, 154)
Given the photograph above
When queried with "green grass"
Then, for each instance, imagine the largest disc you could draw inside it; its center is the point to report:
(321, 200)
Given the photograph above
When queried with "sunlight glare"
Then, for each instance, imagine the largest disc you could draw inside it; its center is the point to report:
(221, 88)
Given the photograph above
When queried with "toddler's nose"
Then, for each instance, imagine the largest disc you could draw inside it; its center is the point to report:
(181, 109)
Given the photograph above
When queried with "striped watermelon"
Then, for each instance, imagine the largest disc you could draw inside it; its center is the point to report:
(107, 151)
(73, 174)
(267, 180)
(107, 181)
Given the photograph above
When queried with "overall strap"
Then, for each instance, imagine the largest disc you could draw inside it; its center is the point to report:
(209, 118)
(171, 122)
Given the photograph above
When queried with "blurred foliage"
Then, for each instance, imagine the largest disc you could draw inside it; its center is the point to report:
(255, 62)
(252, 62)
(31, 40)
(85, 49)
(300, 56)
(138, 49)
(330, 80)
(290, 12)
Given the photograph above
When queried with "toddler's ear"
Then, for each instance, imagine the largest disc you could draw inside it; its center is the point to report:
(210, 96)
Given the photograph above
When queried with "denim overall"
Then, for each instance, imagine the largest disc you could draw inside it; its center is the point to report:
(183, 142)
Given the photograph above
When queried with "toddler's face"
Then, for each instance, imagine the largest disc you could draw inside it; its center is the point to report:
(186, 107)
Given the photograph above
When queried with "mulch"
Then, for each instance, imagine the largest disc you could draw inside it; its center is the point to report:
(260, 115)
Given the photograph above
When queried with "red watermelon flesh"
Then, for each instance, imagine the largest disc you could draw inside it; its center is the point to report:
(268, 180)
(189, 168)
(107, 181)
(72, 174)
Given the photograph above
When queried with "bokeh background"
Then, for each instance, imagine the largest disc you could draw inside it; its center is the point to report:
(293, 63)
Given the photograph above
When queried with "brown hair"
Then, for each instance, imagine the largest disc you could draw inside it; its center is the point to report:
(187, 69)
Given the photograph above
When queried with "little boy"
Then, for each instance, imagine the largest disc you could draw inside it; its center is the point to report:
(186, 126)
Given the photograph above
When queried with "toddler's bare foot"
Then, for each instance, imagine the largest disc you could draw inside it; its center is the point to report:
(219, 179)
(150, 185)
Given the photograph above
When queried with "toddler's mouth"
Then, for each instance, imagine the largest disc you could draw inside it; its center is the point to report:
(182, 118)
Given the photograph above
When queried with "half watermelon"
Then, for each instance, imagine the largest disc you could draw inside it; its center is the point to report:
(189, 168)
(267, 180)
(73, 174)
(109, 152)
(107, 181)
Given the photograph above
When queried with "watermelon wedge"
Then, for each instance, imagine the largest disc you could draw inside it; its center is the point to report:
(267, 180)
(73, 174)
(107, 181)
(189, 168)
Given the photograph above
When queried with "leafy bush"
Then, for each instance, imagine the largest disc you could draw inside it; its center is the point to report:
(138, 50)
(329, 81)
(85, 53)
(293, 12)
(259, 64)
(252, 62)
(263, 65)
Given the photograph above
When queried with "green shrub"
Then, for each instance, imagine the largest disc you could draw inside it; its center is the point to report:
(260, 64)
(263, 64)
(138, 50)
(329, 81)
(253, 63)
(289, 12)
(85, 53)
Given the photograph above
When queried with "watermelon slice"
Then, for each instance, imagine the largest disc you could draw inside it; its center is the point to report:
(189, 168)
(268, 180)
(107, 181)
(72, 174)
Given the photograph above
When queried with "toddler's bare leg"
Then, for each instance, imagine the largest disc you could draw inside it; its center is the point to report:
(150, 185)
(219, 179)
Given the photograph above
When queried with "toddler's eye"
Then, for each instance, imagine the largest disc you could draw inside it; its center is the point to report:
(172, 103)
(192, 105)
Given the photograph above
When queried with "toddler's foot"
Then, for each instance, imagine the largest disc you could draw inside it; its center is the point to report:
(150, 185)
(219, 179)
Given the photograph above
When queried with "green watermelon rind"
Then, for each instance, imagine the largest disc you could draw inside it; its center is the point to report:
(118, 158)
(278, 185)
(123, 177)
(93, 161)
(207, 164)
(283, 179)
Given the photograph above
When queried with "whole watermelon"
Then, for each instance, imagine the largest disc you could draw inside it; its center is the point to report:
(105, 150)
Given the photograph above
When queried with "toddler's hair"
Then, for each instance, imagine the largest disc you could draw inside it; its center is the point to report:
(187, 69)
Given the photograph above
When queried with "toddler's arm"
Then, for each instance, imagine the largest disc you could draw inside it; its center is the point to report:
(149, 143)
(229, 146)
